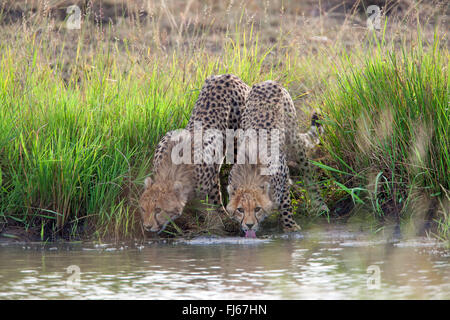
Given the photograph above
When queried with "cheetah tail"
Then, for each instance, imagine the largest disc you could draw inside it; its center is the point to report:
(316, 126)
(312, 137)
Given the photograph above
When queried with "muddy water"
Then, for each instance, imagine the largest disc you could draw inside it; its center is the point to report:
(330, 263)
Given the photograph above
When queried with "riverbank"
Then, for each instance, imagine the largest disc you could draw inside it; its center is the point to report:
(82, 110)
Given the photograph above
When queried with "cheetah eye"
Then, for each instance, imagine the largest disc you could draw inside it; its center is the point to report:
(258, 209)
(241, 210)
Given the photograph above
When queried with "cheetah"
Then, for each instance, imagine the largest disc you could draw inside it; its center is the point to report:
(165, 195)
(254, 194)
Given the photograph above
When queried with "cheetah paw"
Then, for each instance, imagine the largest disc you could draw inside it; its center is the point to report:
(291, 228)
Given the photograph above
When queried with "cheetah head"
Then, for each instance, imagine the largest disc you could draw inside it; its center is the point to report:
(250, 205)
(162, 202)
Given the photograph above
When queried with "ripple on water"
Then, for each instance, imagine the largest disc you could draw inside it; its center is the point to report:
(309, 267)
(419, 243)
(223, 240)
(363, 243)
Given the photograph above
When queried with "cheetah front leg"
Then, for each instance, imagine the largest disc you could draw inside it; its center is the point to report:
(313, 191)
(214, 195)
(287, 221)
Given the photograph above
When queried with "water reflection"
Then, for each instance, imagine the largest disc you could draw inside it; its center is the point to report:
(325, 264)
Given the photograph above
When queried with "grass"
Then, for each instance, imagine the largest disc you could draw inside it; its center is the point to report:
(81, 116)
(388, 130)
(75, 150)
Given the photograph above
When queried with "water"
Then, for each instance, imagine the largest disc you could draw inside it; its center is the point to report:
(330, 263)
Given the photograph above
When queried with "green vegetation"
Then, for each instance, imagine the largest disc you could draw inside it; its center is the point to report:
(75, 150)
(79, 121)
(388, 130)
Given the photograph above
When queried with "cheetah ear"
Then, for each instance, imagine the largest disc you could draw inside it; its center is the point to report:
(148, 182)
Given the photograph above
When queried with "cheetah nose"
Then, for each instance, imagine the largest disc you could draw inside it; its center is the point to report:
(249, 225)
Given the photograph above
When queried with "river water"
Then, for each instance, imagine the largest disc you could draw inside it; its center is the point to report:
(325, 263)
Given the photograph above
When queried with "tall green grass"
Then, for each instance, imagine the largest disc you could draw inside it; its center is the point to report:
(77, 134)
(388, 129)
(78, 127)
